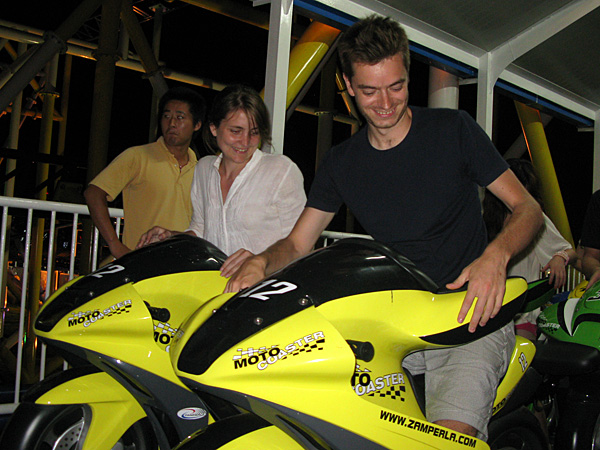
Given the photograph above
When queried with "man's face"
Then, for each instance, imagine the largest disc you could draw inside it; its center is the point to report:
(381, 91)
(177, 124)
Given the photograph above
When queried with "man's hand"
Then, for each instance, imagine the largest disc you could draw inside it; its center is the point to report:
(118, 249)
(233, 263)
(593, 279)
(487, 284)
(154, 234)
(251, 272)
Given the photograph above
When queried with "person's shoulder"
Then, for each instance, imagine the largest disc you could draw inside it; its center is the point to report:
(439, 114)
(357, 139)
(274, 164)
(147, 147)
(275, 159)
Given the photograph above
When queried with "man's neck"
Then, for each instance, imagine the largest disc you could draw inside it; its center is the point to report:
(387, 138)
(180, 152)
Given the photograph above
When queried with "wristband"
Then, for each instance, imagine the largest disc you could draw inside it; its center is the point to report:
(564, 255)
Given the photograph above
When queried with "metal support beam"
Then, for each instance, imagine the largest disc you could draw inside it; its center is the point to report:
(143, 49)
(554, 206)
(327, 106)
(533, 36)
(494, 63)
(103, 87)
(54, 42)
(278, 60)
(156, 37)
(443, 89)
(485, 93)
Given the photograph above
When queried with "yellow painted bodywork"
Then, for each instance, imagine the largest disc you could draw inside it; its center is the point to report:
(113, 408)
(306, 365)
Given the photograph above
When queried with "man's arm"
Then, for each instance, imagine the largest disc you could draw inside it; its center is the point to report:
(299, 242)
(487, 274)
(590, 264)
(98, 206)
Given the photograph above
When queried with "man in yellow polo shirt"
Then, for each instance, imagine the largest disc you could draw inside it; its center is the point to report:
(155, 178)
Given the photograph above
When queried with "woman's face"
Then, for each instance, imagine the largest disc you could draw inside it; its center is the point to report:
(237, 136)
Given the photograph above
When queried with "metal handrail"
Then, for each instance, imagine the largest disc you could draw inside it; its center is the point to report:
(15, 207)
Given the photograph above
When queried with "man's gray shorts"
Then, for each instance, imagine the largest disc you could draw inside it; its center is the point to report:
(461, 382)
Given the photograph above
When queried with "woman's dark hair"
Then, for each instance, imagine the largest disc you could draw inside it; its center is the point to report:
(231, 99)
(494, 211)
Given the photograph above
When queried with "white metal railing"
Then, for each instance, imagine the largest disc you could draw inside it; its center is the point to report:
(22, 212)
(22, 215)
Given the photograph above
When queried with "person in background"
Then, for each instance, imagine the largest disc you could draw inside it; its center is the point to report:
(411, 179)
(590, 240)
(548, 252)
(243, 198)
(155, 179)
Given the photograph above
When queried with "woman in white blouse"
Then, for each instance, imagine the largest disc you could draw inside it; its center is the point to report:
(243, 199)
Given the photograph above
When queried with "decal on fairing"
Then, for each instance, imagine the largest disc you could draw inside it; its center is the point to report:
(523, 361)
(191, 413)
(108, 270)
(569, 310)
(593, 298)
(427, 428)
(163, 334)
(499, 406)
(263, 357)
(390, 385)
(89, 317)
(549, 327)
(268, 288)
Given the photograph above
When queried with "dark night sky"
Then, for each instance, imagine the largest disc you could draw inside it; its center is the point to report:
(206, 44)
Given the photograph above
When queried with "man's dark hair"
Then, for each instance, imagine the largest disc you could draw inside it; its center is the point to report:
(194, 100)
(370, 41)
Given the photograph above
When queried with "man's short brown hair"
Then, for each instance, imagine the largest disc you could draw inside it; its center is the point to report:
(370, 41)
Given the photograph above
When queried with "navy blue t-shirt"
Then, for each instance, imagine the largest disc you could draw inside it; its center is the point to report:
(420, 197)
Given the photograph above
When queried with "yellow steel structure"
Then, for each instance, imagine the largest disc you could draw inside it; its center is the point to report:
(306, 55)
(535, 137)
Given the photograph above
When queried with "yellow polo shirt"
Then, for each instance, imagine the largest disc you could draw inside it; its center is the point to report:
(155, 191)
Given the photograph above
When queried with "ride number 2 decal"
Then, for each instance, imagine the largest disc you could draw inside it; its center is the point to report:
(108, 270)
(266, 289)
(523, 361)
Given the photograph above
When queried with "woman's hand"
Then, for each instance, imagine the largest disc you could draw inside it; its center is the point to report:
(558, 271)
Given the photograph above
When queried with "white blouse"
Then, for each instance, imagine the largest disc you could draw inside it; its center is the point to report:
(261, 207)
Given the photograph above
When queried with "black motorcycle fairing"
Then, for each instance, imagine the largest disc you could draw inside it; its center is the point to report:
(559, 358)
(311, 432)
(347, 267)
(181, 253)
